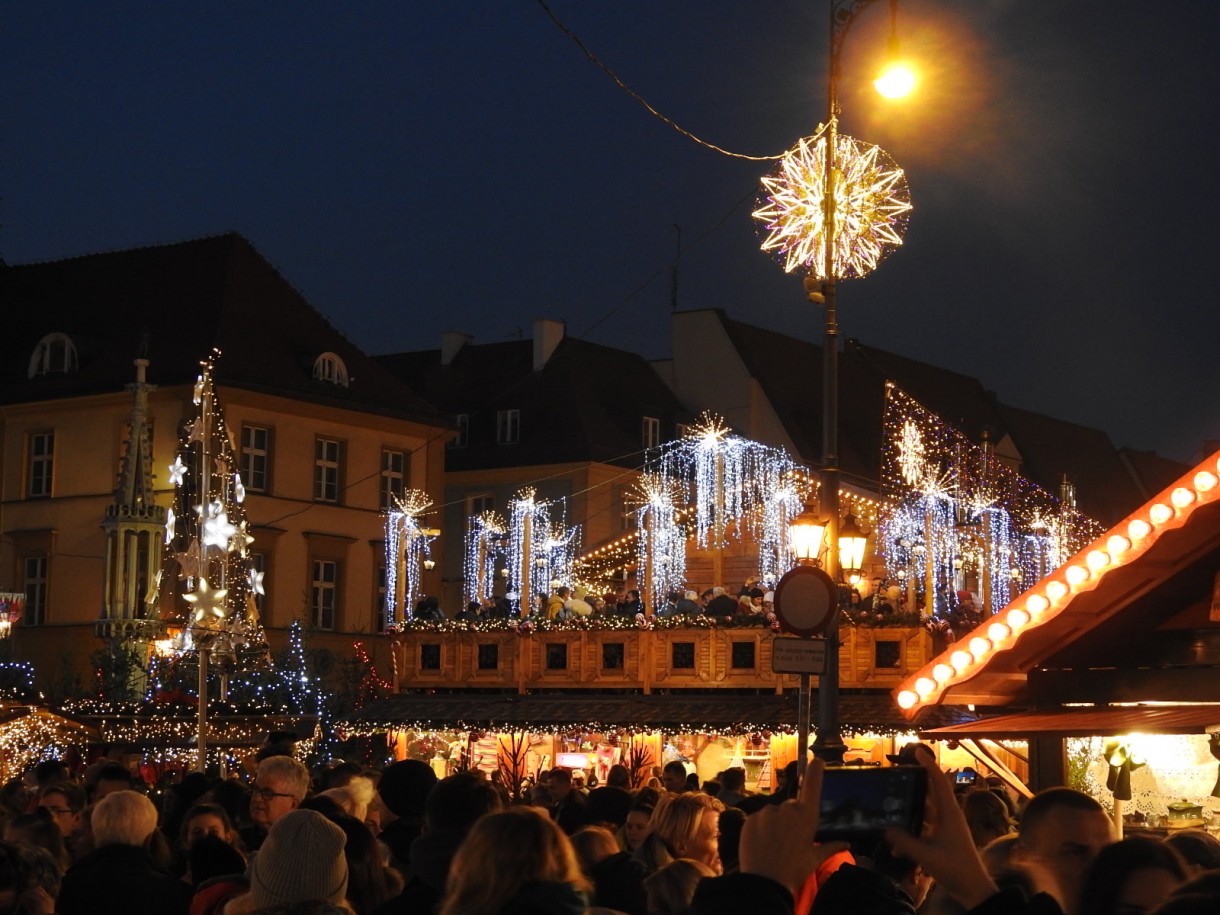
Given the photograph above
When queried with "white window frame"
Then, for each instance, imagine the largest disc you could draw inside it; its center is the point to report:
(327, 469)
(393, 480)
(256, 458)
(330, 368)
(508, 427)
(650, 432)
(36, 571)
(40, 481)
(324, 593)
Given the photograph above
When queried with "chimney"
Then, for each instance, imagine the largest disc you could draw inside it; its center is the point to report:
(548, 334)
(452, 342)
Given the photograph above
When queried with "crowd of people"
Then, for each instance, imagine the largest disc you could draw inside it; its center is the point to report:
(400, 840)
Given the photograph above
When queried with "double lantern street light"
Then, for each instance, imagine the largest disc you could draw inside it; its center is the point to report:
(834, 208)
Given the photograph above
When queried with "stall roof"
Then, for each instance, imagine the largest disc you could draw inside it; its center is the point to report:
(1082, 722)
(1160, 561)
(683, 713)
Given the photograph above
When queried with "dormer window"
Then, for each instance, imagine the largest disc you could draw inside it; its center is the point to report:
(330, 368)
(54, 354)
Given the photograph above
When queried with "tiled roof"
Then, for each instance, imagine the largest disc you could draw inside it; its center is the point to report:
(790, 373)
(586, 404)
(184, 299)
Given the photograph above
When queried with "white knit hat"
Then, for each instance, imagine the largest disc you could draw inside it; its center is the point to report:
(300, 860)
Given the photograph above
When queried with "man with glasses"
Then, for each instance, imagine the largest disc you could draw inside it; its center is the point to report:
(280, 785)
(65, 801)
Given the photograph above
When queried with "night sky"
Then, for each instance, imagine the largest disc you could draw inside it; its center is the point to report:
(420, 167)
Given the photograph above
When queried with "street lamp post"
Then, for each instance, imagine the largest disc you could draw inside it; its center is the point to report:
(829, 744)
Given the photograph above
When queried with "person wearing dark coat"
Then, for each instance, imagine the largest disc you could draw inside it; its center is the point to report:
(119, 874)
(570, 807)
(452, 807)
(403, 788)
(721, 604)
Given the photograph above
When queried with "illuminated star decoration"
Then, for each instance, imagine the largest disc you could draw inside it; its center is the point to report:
(256, 581)
(171, 526)
(217, 529)
(910, 453)
(177, 471)
(872, 206)
(208, 602)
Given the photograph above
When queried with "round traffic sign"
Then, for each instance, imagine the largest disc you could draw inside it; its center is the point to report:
(805, 601)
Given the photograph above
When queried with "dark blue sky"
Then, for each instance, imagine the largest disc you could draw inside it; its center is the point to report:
(414, 168)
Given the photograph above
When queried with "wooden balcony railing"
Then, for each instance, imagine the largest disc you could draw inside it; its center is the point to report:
(645, 660)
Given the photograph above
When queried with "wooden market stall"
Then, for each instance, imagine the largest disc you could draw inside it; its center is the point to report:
(1111, 662)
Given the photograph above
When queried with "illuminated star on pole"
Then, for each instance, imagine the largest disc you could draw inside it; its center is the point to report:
(256, 581)
(171, 525)
(208, 602)
(177, 471)
(217, 529)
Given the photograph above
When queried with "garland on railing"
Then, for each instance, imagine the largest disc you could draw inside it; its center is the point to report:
(615, 623)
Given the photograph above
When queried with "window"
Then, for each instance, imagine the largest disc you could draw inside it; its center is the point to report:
(628, 519)
(326, 468)
(380, 611)
(742, 656)
(680, 430)
(35, 591)
(887, 653)
(393, 476)
(324, 593)
(42, 465)
(556, 656)
(54, 353)
(489, 656)
(430, 657)
(613, 654)
(462, 439)
(479, 503)
(330, 368)
(508, 427)
(683, 656)
(651, 436)
(258, 574)
(256, 458)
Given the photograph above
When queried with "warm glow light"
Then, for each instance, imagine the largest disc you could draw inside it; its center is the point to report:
(1118, 544)
(979, 646)
(1205, 481)
(1139, 529)
(1181, 497)
(1017, 618)
(941, 673)
(1076, 575)
(1055, 590)
(1160, 513)
(805, 533)
(1097, 560)
(896, 81)
(961, 660)
(907, 699)
(997, 632)
(1037, 604)
(924, 687)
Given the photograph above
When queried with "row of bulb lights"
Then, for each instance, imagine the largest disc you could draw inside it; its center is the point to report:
(1047, 599)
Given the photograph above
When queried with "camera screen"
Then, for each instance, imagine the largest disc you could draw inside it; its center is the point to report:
(864, 802)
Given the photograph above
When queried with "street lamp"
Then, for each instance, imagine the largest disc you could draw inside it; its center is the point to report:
(852, 542)
(805, 534)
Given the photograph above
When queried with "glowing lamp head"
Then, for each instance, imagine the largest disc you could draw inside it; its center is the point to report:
(1017, 618)
(1118, 544)
(1205, 481)
(1055, 591)
(907, 699)
(961, 660)
(896, 81)
(1139, 529)
(852, 541)
(1097, 560)
(1181, 497)
(1076, 575)
(1160, 513)
(924, 687)
(998, 632)
(805, 533)
(941, 673)
(979, 647)
(1037, 605)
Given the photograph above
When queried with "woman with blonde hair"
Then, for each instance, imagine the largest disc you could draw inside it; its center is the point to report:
(683, 826)
(535, 869)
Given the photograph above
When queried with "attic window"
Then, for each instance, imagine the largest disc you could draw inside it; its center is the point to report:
(55, 353)
(330, 368)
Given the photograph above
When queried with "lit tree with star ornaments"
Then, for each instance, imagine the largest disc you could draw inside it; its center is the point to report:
(208, 537)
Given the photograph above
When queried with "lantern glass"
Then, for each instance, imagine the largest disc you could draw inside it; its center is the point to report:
(805, 533)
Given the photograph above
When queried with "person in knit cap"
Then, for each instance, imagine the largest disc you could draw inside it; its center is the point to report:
(301, 860)
(403, 789)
